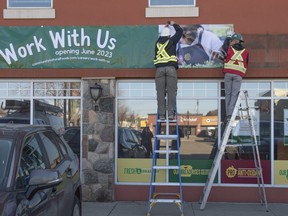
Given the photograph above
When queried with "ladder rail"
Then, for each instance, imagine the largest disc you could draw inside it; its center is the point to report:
(218, 157)
(257, 159)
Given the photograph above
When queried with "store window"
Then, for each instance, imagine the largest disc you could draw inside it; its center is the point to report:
(55, 103)
(25, 9)
(201, 110)
(172, 8)
(172, 2)
(29, 4)
(197, 104)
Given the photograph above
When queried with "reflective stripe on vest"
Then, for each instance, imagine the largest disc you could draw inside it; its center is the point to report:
(237, 56)
(162, 56)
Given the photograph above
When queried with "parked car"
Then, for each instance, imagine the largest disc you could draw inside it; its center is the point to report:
(129, 145)
(72, 137)
(138, 134)
(39, 173)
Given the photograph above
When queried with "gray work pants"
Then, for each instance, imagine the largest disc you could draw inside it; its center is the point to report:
(166, 79)
(232, 88)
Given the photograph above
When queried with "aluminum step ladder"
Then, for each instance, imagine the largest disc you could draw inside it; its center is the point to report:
(159, 189)
(245, 114)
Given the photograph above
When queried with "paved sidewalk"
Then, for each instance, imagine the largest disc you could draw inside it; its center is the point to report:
(139, 208)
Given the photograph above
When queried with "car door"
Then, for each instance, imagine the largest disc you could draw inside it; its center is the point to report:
(64, 191)
(41, 202)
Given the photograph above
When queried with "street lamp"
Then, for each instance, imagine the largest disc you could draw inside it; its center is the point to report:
(96, 93)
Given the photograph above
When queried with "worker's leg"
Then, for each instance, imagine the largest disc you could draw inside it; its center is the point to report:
(161, 90)
(228, 92)
(237, 80)
(171, 85)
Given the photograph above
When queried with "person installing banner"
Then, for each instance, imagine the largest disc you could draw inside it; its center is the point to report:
(234, 70)
(166, 64)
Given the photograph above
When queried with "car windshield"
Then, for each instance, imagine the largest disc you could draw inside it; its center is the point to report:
(5, 148)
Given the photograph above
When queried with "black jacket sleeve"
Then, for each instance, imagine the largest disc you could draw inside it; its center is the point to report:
(177, 36)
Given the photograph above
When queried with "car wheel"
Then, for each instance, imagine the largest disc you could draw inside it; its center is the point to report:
(76, 207)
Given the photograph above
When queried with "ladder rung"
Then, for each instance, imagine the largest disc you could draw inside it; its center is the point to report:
(165, 151)
(166, 183)
(166, 200)
(239, 144)
(170, 137)
(165, 120)
(246, 108)
(165, 167)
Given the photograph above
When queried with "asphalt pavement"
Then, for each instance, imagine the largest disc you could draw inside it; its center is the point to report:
(140, 208)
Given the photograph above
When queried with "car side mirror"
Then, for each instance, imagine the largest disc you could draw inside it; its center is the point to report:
(41, 179)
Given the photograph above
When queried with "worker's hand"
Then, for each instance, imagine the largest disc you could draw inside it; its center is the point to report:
(172, 22)
(229, 33)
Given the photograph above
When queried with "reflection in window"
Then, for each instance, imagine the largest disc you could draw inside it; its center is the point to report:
(255, 89)
(31, 159)
(280, 89)
(57, 89)
(281, 129)
(15, 111)
(53, 153)
(197, 118)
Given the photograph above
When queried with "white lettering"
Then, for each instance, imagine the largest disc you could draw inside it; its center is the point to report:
(9, 54)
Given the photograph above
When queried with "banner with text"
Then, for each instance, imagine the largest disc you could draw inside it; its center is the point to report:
(103, 46)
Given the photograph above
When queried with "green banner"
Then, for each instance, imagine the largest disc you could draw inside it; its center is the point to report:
(77, 47)
(192, 171)
(106, 46)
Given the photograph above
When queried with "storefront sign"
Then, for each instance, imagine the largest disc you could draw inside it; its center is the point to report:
(192, 171)
(95, 46)
(243, 171)
(281, 172)
(138, 170)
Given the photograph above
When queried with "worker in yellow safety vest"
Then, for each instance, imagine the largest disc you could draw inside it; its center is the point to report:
(235, 68)
(166, 64)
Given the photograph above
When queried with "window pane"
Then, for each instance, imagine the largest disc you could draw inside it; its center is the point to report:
(57, 89)
(257, 89)
(136, 89)
(30, 3)
(15, 111)
(197, 89)
(172, 2)
(280, 89)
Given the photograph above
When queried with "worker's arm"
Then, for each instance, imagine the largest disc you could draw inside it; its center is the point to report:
(179, 32)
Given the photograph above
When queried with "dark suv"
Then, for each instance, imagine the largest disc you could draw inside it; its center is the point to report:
(129, 145)
(39, 173)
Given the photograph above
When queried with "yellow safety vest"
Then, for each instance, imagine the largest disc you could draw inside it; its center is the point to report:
(162, 56)
(237, 56)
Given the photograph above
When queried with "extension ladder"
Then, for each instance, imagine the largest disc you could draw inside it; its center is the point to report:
(156, 194)
(220, 151)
